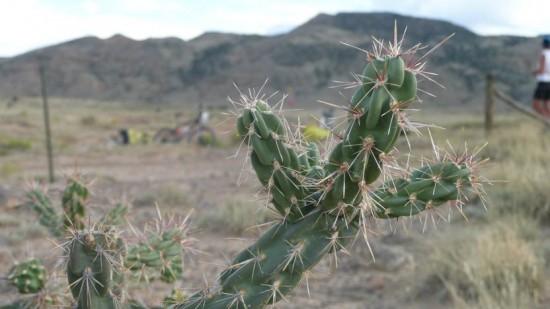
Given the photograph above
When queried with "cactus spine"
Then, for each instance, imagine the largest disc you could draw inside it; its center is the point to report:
(325, 203)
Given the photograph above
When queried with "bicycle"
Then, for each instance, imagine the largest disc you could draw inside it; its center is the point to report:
(195, 130)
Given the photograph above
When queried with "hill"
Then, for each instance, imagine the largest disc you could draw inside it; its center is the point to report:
(307, 59)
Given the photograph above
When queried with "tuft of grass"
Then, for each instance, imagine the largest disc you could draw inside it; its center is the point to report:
(10, 144)
(235, 216)
(89, 120)
(166, 196)
(9, 168)
(491, 267)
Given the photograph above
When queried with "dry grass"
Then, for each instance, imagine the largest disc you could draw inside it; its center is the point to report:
(522, 156)
(488, 267)
(235, 216)
(166, 196)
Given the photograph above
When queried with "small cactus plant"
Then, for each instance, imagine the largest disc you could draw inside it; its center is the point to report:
(325, 203)
(28, 276)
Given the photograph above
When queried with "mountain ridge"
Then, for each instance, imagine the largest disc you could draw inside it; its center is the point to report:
(307, 59)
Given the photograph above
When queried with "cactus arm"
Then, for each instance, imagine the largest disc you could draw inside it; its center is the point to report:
(38, 201)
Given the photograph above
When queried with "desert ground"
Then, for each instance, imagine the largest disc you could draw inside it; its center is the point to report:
(495, 254)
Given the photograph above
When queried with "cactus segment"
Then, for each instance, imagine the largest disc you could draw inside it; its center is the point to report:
(373, 73)
(408, 89)
(260, 126)
(261, 105)
(274, 123)
(358, 98)
(241, 129)
(378, 99)
(396, 72)
(73, 202)
(313, 154)
(248, 118)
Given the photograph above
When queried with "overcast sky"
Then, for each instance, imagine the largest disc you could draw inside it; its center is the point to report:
(31, 24)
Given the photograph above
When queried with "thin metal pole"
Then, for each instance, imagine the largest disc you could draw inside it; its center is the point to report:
(489, 104)
(47, 122)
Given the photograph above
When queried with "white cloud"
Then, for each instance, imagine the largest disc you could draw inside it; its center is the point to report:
(90, 7)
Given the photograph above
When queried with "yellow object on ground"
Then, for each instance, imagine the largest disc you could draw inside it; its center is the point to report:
(312, 133)
(137, 137)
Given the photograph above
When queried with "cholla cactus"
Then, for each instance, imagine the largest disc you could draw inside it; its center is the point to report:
(324, 204)
(325, 200)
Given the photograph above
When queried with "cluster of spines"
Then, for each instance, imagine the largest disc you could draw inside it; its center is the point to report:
(324, 203)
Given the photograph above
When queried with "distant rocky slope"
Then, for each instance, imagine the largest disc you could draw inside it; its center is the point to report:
(307, 60)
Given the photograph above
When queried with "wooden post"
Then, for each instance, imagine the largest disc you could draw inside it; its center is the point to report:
(41, 70)
(489, 104)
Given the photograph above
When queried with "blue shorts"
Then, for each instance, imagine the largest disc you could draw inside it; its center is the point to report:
(542, 92)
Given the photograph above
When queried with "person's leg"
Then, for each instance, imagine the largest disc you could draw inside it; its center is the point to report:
(545, 99)
(538, 106)
(538, 100)
(546, 104)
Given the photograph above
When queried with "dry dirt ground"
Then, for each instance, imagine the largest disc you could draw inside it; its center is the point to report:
(181, 178)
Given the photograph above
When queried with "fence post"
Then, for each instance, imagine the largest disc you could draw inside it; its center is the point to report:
(489, 104)
(46, 109)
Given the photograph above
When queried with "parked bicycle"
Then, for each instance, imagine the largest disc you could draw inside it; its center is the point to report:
(195, 130)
